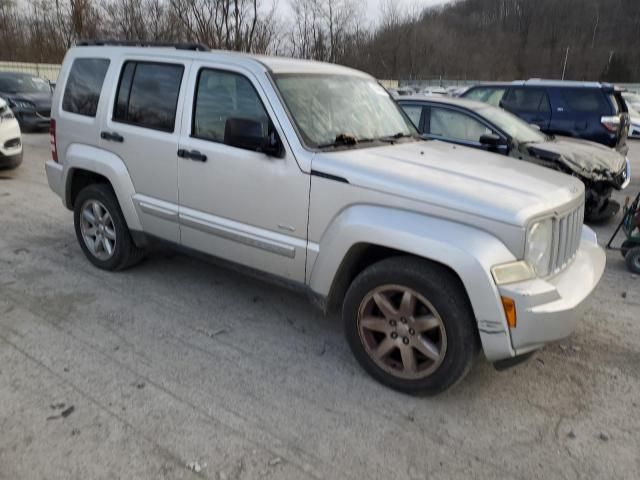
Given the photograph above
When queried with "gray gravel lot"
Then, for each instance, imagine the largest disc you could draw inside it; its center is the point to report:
(178, 361)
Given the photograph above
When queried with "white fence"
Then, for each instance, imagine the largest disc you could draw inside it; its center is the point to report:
(48, 71)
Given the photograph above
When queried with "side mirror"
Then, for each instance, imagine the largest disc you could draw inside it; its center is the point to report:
(492, 140)
(249, 134)
(535, 127)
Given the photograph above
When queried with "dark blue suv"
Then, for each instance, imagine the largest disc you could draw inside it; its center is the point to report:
(589, 110)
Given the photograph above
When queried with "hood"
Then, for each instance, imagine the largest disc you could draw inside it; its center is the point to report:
(588, 159)
(41, 100)
(453, 177)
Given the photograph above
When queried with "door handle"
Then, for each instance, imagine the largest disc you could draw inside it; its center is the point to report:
(192, 154)
(112, 137)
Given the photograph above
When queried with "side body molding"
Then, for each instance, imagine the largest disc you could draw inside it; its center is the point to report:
(79, 156)
(468, 251)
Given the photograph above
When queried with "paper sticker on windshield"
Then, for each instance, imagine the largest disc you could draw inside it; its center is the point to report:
(378, 89)
(37, 80)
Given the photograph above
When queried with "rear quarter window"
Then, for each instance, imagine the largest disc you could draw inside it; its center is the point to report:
(585, 101)
(84, 84)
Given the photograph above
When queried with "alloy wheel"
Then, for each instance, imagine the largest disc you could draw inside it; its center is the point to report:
(402, 332)
(98, 230)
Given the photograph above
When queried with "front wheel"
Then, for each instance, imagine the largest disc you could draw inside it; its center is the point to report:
(410, 325)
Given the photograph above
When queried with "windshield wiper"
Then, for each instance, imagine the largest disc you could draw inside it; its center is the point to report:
(394, 138)
(345, 140)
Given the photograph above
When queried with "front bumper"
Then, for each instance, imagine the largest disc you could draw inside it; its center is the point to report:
(548, 310)
(32, 120)
(10, 161)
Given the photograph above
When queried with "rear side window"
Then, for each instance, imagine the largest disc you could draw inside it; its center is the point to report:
(148, 95)
(527, 100)
(585, 100)
(223, 95)
(82, 92)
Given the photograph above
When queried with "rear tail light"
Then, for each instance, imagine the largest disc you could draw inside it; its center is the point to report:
(52, 139)
(611, 123)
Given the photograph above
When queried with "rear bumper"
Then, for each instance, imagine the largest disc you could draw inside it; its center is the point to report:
(548, 310)
(55, 178)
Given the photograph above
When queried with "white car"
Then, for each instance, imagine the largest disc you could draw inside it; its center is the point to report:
(10, 138)
(634, 127)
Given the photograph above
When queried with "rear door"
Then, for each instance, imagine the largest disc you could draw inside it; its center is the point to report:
(530, 104)
(142, 128)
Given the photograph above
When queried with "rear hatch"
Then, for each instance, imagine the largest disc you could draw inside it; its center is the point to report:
(620, 110)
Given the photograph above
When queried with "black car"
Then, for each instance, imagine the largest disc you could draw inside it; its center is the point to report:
(589, 110)
(484, 126)
(28, 97)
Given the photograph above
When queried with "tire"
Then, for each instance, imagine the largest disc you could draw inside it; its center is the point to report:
(626, 246)
(441, 304)
(633, 259)
(114, 231)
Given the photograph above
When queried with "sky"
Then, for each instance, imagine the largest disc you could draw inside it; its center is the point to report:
(373, 6)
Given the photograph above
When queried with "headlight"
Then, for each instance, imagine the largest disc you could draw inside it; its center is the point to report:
(6, 114)
(538, 249)
(23, 104)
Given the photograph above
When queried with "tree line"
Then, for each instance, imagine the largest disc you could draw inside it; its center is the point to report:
(464, 39)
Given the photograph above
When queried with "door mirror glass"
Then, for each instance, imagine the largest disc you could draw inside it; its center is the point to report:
(248, 134)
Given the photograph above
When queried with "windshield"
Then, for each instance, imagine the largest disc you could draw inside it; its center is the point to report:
(330, 108)
(23, 84)
(520, 131)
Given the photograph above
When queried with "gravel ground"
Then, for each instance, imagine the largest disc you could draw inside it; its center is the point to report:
(136, 374)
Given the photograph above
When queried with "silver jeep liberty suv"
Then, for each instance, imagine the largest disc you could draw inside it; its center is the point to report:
(310, 172)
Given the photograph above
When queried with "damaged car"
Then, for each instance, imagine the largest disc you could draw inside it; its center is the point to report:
(483, 126)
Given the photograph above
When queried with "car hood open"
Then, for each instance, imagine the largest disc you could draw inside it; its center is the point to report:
(588, 159)
(454, 177)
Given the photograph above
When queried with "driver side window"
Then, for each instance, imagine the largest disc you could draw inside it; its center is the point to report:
(220, 96)
(454, 125)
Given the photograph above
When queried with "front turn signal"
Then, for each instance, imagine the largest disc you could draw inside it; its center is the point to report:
(510, 311)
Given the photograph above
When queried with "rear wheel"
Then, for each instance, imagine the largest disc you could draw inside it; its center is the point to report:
(102, 231)
(410, 325)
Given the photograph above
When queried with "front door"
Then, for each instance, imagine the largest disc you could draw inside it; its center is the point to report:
(237, 203)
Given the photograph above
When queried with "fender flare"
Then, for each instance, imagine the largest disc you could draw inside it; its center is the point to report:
(110, 166)
(468, 251)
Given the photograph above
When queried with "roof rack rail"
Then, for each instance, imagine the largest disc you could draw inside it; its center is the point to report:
(142, 43)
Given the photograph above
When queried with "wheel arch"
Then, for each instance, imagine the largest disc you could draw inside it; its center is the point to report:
(363, 235)
(85, 165)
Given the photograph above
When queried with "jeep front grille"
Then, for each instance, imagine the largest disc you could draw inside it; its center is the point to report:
(567, 231)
